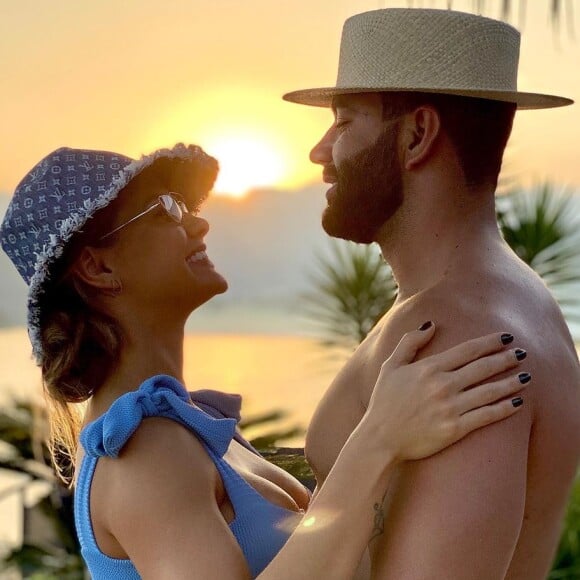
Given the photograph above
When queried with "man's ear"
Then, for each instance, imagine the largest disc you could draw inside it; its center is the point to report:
(421, 129)
(94, 269)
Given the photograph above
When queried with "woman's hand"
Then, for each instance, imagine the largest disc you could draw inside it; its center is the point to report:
(419, 408)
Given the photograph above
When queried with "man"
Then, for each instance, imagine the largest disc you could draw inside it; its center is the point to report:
(423, 107)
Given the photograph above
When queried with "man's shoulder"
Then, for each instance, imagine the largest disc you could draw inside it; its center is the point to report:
(457, 317)
(480, 304)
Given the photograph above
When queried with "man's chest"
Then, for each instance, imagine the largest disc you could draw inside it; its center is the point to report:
(340, 411)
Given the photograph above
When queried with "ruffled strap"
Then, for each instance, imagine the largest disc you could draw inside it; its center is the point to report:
(218, 404)
(221, 405)
(159, 396)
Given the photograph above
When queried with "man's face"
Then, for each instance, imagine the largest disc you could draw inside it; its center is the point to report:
(359, 157)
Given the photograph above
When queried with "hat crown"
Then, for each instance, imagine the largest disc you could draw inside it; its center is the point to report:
(411, 49)
(63, 186)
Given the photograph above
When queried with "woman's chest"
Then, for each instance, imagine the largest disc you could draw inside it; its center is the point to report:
(269, 481)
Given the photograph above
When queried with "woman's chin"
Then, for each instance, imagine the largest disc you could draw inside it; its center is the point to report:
(219, 286)
(222, 284)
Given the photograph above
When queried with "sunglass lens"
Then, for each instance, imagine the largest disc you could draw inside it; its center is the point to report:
(171, 207)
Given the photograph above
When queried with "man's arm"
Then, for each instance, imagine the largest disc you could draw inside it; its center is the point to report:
(457, 514)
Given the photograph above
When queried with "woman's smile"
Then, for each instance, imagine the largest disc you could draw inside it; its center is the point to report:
(199, 258)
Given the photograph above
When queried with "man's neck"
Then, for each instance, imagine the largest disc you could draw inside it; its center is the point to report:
(437, 233)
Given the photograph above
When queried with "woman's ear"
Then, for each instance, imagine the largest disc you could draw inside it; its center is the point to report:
(93, 268)
(421, 130)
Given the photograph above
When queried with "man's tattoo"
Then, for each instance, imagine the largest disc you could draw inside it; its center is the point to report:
(379, 526)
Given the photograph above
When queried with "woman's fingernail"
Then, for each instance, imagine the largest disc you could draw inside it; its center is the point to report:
(506, 338)
(521, 354)
(524, 378)
(426, 325)
(517, 402)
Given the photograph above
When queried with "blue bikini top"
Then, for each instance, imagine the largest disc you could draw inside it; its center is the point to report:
(258, 525)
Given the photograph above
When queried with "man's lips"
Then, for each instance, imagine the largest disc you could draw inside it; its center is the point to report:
(329, 177)
(331, 193)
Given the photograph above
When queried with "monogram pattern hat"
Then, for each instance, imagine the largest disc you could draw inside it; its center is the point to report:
(430, 51)
(66, 188)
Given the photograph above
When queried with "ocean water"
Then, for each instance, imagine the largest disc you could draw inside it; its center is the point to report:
(270, 371)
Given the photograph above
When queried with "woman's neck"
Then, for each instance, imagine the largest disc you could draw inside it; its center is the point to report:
(147, 352)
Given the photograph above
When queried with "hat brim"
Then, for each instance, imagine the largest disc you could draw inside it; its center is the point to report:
(322, 97)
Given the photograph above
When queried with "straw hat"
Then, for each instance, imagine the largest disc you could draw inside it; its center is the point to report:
(431, 51)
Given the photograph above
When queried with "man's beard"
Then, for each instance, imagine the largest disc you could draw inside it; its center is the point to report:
(369, 191)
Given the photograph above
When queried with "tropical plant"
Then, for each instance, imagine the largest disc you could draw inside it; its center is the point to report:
(290, 459)
(354, 288)
(53, 553)
(567, 561)
(556, 8)
(268, 440)
(542, 226)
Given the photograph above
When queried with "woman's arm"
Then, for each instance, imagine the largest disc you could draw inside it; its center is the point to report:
(335, 530)
(162, 507)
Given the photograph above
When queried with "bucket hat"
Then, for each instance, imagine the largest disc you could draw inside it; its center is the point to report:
(66, 188)
(430, 51)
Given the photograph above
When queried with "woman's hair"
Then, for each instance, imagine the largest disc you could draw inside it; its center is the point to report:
(80, 344)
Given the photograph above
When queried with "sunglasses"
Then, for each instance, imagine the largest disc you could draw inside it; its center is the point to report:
(174, 208)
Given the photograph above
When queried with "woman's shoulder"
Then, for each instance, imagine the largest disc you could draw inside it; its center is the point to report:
(163, 468)
(160, 397)
(162, 444)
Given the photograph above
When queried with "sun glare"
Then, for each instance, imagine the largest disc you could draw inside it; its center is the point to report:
(258, 139)
(245, 164)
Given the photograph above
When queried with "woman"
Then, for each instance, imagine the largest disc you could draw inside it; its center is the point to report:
(115, 259)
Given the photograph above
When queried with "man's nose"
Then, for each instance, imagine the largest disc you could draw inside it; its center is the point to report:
(322, 152)
(195, 226)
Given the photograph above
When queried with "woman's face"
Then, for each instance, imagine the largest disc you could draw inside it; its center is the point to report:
(161, 264)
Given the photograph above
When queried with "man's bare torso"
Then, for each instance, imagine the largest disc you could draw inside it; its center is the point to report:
(497, 294)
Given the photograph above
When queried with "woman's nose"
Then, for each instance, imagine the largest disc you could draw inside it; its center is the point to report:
(322, 152)
(195, 226)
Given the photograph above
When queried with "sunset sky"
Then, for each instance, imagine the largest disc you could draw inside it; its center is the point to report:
(134, 75)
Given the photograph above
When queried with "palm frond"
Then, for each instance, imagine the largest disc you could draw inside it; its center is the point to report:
(504, 9)
(542, 226)
(354, 287)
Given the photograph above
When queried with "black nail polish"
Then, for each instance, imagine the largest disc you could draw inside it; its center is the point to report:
(521, 354)
(517, 402)
(426, 325)
(506, 338)
(524, 378)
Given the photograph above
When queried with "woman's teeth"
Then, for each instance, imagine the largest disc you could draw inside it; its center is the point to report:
(197, 257)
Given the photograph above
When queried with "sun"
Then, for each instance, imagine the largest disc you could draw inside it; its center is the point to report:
(259, 140)
(245, 163)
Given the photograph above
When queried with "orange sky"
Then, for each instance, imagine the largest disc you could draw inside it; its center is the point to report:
(134, 75)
